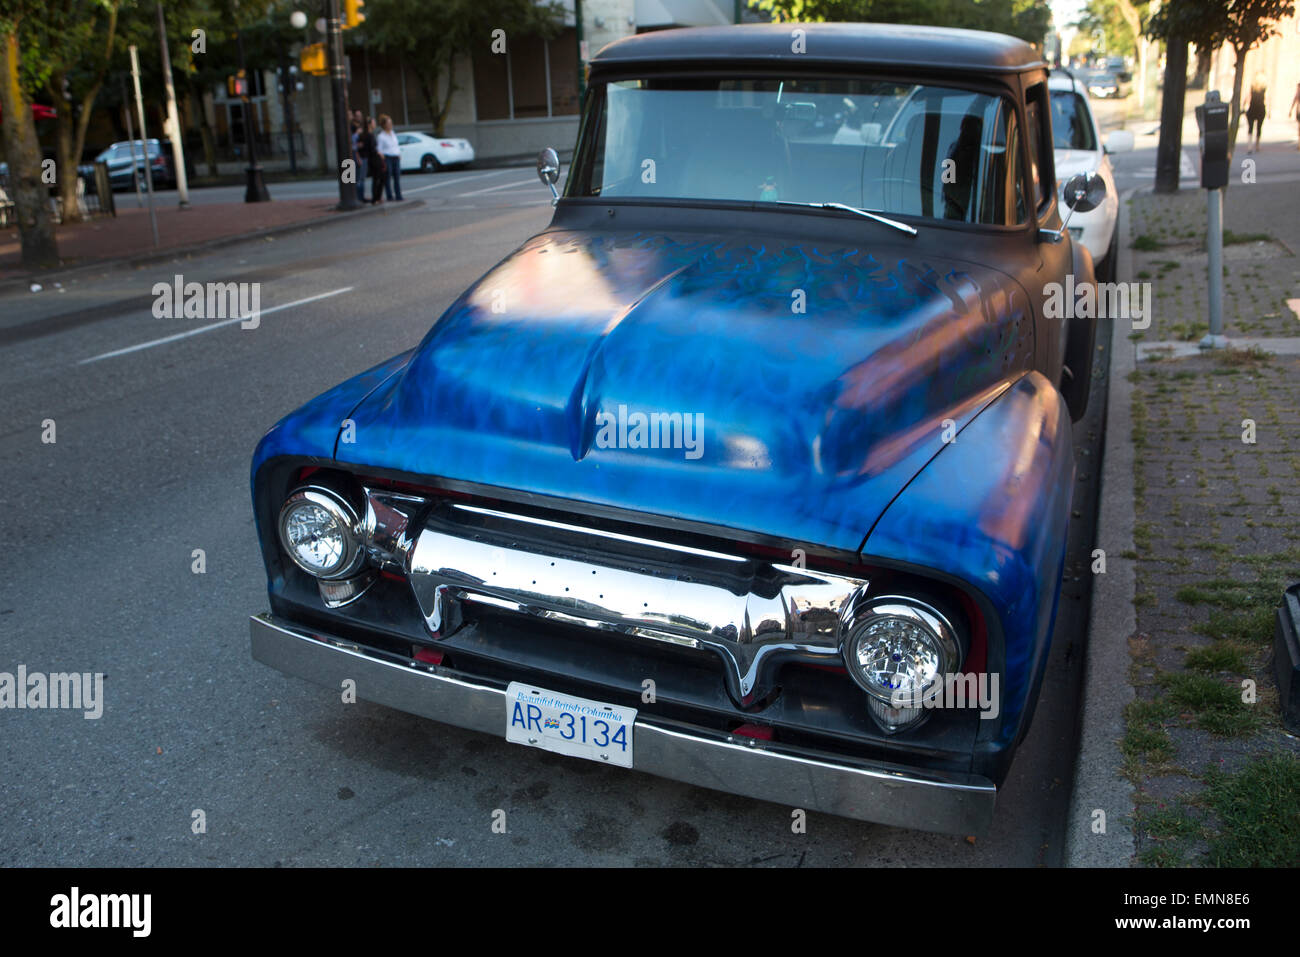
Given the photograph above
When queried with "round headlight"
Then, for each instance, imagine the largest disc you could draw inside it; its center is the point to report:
(900, 650)
(320, 532)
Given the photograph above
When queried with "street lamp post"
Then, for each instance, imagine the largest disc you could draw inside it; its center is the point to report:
(255, 188)
(338, 71)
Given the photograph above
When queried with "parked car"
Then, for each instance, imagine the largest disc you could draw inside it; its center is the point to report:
(119, 160)
(1108, 86)
(758, 454)
(1080, 149)
(429, 154)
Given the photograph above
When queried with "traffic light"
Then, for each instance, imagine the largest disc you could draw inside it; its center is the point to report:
(352, 15)
(237, 85)
(312, 59)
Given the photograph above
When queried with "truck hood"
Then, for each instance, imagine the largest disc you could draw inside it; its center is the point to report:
(787, 390)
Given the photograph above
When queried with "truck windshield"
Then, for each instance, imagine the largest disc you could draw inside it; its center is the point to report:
(887, 146)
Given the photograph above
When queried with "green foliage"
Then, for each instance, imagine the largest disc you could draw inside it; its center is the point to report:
(1105, 23)
(1026, 19)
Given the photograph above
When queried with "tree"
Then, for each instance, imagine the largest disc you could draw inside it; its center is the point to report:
(22, 149)
(74, 39)
(1198, 22)
(429, 35)
(1026, 19)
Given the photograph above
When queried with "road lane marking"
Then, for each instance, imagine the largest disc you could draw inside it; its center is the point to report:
(493, 189)
(209, 328)
(458, 179)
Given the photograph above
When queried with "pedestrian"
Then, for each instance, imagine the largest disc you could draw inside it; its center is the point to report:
(386, 140)
(358, 162)
(378, 169)
(1295, 110)
(1257, 109)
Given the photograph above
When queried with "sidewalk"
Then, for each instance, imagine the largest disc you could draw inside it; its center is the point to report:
(1216, 447)
(128, 236)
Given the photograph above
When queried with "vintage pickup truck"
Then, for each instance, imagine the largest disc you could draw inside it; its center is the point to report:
(753, 469)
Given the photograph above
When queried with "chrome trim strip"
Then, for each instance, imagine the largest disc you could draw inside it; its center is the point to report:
(616, 536)
(898, 796)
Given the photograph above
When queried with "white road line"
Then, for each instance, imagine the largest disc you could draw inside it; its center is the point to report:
(458, 179)
(209, 328)
(493, 189)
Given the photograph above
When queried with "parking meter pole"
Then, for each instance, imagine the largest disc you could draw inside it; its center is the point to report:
(1212, 120)
(1214, 243)
(144, 139)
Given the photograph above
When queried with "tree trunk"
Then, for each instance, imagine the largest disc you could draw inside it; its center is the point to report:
(66, 169)
(440, 121)
(1238, 75)
(429, 92)
(1169, 151)
(31, 199)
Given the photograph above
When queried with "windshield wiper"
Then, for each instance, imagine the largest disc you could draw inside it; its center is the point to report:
(910, 230)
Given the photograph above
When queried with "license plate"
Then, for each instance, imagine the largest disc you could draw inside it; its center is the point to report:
(568, 725)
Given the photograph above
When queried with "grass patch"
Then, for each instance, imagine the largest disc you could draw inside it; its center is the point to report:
(1236, 358)
(1254, 626)
(1145, 737)
(1147, 243)
(1236, 239)
(1217, 707)
(1259, 812)
(1220, 656)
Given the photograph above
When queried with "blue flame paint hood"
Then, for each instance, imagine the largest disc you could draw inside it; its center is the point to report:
(821, 376)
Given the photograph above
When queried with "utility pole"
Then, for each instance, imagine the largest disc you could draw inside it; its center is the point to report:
(338, 73)
(144, 139)
(173, 120)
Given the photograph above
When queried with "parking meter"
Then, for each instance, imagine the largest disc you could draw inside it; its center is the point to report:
(1212, 120)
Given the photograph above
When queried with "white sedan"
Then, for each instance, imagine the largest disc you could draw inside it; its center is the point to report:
(1079, 149)
(429, 154)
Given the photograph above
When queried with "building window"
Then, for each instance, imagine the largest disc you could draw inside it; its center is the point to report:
(534, 78)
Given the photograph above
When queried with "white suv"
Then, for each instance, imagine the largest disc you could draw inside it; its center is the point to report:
(1079, 149)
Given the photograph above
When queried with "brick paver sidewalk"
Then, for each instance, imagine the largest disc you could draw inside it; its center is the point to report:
(129, 234)
(1217, 491)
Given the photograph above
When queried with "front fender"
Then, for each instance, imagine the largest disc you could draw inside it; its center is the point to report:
(991, 512)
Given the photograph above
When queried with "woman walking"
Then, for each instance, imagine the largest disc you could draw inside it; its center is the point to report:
(386, 140)
(1257, 109)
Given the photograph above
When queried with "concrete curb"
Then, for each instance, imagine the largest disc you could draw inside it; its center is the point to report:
(1097, 781)
(163, 255)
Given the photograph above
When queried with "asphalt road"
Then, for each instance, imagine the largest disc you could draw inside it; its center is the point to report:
(150, 462)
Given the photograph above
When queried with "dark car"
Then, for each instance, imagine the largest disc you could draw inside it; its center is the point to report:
(752, 470)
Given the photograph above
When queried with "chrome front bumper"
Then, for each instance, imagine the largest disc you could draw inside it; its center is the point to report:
(868, 791)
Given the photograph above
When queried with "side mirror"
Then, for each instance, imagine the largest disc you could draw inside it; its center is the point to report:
(1084, 192)
(1119, 141)
(548, 171)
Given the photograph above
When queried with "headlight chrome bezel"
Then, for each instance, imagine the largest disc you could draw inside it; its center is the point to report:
(933, 626)
(341, 511)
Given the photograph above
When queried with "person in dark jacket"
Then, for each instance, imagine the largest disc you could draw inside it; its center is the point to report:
(367, 148)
